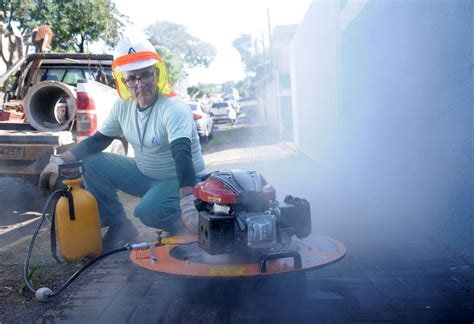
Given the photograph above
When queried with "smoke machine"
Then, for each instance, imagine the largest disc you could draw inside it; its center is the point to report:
(239, 213)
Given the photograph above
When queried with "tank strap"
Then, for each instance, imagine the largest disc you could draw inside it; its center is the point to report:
(53, 236)
(67, 193)
(64, 193)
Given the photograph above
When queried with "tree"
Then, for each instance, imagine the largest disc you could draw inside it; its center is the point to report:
(19, 11)
(244, 45)
(85, 21)
(227, 88)
(200, 91)
(173, 63)
(74, 23)
(191, 50)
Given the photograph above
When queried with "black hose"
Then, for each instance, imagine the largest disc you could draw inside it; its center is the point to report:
(88, 264)
(81, 269)
(30, 249)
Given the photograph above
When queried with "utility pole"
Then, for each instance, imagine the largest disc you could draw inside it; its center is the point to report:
(274, 74)
(269, 38)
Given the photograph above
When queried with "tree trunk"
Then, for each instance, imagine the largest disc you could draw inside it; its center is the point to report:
(81, 44)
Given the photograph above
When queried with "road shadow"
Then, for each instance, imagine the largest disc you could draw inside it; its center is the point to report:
(20, 200)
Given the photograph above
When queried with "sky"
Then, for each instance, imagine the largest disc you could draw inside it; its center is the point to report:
(217, 22)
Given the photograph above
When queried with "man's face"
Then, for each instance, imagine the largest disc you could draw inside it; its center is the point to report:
(142, 83)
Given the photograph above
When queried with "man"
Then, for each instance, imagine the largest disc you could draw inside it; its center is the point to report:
(168, 159)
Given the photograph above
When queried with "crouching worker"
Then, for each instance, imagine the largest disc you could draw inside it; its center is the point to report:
(168, 159)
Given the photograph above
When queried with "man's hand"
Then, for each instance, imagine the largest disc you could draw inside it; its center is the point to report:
(189, 213)
(49, 175)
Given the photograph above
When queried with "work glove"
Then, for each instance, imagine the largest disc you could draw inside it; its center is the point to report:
(189, 213)
(49, 175)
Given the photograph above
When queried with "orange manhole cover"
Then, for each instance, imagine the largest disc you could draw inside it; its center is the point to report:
(182, 256)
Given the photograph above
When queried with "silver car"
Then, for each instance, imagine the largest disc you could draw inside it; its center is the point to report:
(235, 105)
(204, 122)
(223, 111)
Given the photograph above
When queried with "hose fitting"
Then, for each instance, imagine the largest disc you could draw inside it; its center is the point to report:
(141, 246)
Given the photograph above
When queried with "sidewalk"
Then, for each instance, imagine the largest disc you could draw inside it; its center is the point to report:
(391, 273)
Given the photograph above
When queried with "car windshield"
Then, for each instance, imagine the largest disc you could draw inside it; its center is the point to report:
(220, 105)
(71, 76)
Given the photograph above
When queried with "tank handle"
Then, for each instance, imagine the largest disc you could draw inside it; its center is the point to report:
(279, 255)
(71, 176)
(72, 216)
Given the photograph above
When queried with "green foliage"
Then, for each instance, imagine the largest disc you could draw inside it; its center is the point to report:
(243, 45)
(193, 91)
(191, 51)
(173, 63)
(74, 23)
(253, 61)
(199, 91)
(227, 88)
(18, 10)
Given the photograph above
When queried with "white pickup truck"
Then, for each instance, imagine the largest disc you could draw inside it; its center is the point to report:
(51, 102)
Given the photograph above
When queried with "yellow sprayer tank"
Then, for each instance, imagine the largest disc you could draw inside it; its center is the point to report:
(78, 236)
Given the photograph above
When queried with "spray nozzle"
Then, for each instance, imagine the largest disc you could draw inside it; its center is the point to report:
(43, 294)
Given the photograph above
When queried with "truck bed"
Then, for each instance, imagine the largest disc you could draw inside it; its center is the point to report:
(16, 136)
(25, 151)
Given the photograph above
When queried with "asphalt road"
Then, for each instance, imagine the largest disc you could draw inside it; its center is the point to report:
(248, 114)
(20, 206)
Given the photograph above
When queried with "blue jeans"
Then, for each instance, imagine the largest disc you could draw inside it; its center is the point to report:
(104, 173)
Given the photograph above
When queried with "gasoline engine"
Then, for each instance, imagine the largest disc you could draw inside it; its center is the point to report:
(239, 213)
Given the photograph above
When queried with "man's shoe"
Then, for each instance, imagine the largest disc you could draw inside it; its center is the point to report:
(119, 234)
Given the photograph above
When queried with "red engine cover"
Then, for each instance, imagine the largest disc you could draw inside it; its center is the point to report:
(212, 190)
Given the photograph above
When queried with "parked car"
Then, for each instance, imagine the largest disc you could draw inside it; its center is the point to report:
(235, 105)
(223, 111)
(204, 122)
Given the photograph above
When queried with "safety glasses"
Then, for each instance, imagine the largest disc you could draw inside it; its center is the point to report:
(145, 78)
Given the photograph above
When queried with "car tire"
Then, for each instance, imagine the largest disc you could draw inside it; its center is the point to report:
(205, 137)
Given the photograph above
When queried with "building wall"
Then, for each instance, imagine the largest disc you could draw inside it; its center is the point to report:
(277, 93)
(314, 82)
(384, 98)
(271, 103)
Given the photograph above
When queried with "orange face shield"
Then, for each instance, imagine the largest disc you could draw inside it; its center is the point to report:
(164, 87)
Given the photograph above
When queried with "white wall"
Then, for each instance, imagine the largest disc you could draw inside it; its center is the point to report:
(271, 103)
(314, 82)
(383, 92)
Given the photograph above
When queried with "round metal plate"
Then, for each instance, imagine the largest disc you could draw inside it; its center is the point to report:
(182, 256)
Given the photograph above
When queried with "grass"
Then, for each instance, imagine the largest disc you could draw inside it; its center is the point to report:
(44, 271)
(227, 136)
(235, 136)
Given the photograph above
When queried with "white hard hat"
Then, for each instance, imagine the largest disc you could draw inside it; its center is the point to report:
(133, 44)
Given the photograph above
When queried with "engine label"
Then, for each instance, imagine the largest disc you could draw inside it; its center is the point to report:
(226, 271)
(213, 199)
